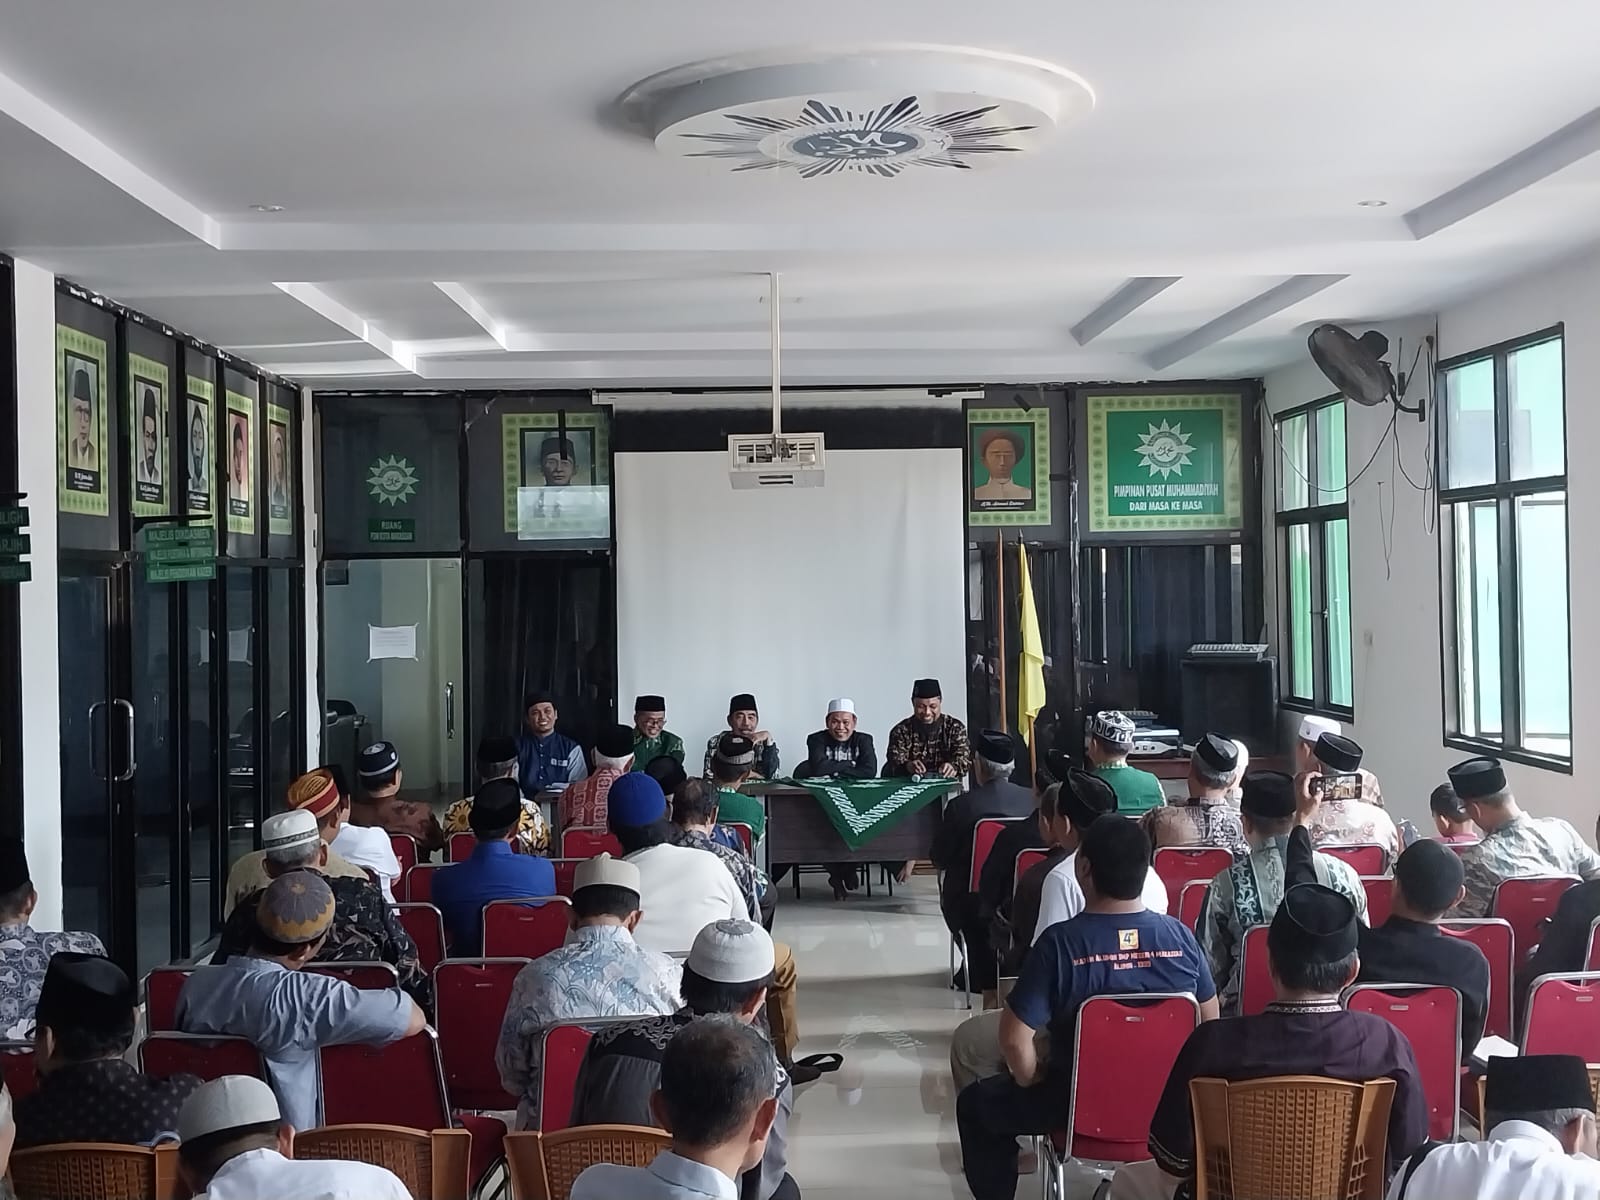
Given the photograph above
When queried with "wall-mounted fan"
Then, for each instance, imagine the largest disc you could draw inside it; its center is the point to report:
(1355, 366)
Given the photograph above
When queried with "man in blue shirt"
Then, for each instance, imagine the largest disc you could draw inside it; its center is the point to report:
(1114, 946)
(493, 872)
(547, 761)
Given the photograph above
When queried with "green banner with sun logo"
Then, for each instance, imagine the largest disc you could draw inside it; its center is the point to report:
(1165, 463)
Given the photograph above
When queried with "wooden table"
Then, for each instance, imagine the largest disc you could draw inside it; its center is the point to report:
(798, 831)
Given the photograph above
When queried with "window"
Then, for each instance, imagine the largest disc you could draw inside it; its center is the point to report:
(1503, 551)
(1314, 548)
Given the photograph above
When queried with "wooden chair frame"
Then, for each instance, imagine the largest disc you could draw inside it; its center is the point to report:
(530, 1157)
(433, 1166)
(96, 1169)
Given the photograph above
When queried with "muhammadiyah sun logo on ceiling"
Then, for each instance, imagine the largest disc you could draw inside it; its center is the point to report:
(392, 480)
(1165, 450)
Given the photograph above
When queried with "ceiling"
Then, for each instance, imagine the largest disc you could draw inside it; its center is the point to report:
(464, 205)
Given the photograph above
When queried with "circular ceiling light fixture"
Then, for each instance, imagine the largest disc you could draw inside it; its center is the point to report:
(1372, 204)
(266, 208)
(872, 110)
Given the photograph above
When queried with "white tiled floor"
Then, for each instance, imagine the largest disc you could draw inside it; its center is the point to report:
(873, 976)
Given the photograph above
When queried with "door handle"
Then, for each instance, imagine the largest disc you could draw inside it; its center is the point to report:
(94, 741)
(132, 765)
(450, 711)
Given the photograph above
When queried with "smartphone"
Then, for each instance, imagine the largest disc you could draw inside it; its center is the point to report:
(1340, 787)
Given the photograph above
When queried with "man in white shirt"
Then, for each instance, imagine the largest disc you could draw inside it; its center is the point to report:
(1084, 797)
(236, 1147)
(365, 846)
(718, 1100)
(682, 889)
(1539, 1112)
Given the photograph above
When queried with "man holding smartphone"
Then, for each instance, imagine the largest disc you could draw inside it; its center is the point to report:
(1343, 816)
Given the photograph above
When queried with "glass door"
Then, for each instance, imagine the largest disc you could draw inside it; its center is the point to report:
(157, 819)
(393, 669)
(96, 739)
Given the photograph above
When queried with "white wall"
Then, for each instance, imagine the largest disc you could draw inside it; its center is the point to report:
(853, 589)
(1394, 556)
(35, 291)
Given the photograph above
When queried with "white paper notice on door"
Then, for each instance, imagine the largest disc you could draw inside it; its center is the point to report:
(391, 641)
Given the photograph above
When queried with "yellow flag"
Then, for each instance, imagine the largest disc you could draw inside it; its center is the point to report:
(1030, 669)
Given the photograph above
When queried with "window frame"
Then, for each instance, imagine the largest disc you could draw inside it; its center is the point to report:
(1504, 493)
(1316, 518)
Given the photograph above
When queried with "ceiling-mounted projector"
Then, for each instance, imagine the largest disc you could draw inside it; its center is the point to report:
(765, 460)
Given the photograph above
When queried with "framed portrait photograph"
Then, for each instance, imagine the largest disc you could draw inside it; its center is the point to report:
(147, 425)
(1008, 466)
(557, 470)
(82, 479)
(280, 478)
(197, 446)
(241, 460)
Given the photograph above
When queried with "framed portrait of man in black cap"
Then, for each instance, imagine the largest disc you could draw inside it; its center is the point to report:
(82, 484)
(558, 476)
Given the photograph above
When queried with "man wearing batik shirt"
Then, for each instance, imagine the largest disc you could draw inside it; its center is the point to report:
(650, 737)
(1248, 893)
(1305, 1031)
(1205, 818)
(24, 951)
(694, 816)
(1514, 845)
(600, 972)
(364, 929)
(88, 1091)
(743, 720)
(497, 759)
(928, 742)
(1347, 822)
(583, 805)
(1305, 755)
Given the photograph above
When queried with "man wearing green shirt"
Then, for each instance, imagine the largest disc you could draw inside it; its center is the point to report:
(650, 737)
(1110, 739)
(733, 762)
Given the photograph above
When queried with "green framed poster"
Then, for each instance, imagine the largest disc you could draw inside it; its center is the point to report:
(199, 449)
(556, 475)
(147, 423)
(1163, 463)
(1008, 466)
(241, 446)
(280, 479)
(82, 450)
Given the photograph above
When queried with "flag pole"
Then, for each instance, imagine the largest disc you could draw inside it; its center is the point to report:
(1000, 616)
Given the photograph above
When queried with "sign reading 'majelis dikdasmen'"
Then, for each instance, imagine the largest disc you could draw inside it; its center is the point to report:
(1164, 463)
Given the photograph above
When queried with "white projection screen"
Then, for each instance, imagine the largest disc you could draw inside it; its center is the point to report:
(855, 589)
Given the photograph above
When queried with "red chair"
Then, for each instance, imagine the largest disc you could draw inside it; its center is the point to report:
(460, 846)
(1026, 861)
(208, 1055)
(1192, 903)
(1591, 961)
(367, 976)
(1125, 1048)
(566, 875)
(401, 1084)
(1380, 897)
(1498, 943)
(419, 882)
(528, 928)
(1178, 865)
(746, 835)
(561, 1054)
(1368, 858)
(425, 924)
(470, 996)
(983, 836)
(18, 1068)
(1564, 1016)
(586, 843)
(405, 850)
(1430, 1018)
(161, 988)
(1255, 983)
(1526, 903)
